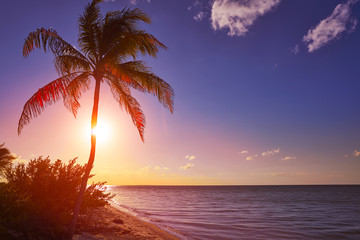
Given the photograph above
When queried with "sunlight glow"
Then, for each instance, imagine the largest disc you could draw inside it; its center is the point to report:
(102, 131)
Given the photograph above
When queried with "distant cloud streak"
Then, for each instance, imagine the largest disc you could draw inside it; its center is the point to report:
(187, 166)
(290, 174)
(287, 158)
(331, 27)
(238, 16)
(190, 157)
(199, 16)
(270, 152)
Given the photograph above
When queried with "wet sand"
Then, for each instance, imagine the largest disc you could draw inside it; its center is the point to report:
(110, 223)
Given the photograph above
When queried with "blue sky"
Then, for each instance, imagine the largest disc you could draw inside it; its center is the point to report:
(267, 92)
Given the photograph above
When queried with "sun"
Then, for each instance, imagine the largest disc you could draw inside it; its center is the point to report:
(102, 131)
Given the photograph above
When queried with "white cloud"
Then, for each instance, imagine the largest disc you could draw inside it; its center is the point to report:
(199, 16)
(187, 166)
(270, 152)
(287, 158)
(331, 27)
(190, 157)
(238, 16)
(267, 154)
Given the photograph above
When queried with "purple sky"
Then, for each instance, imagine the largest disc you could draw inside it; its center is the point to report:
(267, 92)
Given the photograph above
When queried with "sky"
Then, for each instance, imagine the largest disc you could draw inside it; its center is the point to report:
(266, 93)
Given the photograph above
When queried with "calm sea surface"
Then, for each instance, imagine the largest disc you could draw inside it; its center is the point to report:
(247, 212)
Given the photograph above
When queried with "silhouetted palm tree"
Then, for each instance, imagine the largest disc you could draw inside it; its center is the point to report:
(6, 158)
(109, 46)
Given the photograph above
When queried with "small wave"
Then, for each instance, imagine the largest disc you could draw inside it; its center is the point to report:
(146, 217)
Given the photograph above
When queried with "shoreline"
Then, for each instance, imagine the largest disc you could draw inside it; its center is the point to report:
(111, 223)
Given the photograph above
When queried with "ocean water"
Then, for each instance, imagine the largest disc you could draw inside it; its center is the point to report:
(247, 212)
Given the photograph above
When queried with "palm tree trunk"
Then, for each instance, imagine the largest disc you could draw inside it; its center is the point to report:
(90, 163)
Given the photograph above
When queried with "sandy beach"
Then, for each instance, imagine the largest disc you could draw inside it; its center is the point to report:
(110, 223)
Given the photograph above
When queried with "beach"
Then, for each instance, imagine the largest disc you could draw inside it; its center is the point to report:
(110, 223)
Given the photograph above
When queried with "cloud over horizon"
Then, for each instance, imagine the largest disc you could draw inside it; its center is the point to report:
(270, 152)
(287, 158)
(187, 166)
(238, 16)
(190, 157)
(331, 27)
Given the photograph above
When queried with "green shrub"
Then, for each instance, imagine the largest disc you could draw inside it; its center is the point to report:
(39, 197)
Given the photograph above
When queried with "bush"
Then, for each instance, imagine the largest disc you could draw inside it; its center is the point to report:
(38, 198)
(6, 158)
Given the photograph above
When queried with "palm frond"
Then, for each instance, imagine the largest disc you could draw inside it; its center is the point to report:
(137, 75)
(46, 95)
(48, 39)
(90, 30)
(123, 96)
(129, 17)
(131, 44)
(122, 36)
(147, 43)
(74, 89)
(66, 64)
(118, 23)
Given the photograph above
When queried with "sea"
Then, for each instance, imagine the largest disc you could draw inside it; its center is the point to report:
(246, 212)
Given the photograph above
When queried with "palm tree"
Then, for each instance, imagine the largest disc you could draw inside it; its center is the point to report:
(109, 46)
(6, 158)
